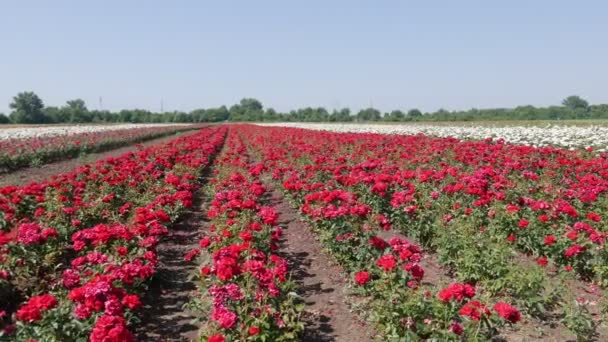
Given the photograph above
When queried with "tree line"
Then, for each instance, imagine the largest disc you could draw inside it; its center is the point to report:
(28, 108)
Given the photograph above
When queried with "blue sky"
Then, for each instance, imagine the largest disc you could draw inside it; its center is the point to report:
(391, 54)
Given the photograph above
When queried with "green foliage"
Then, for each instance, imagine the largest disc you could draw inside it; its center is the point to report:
(4, 119)
(395, 115)
(27, 108)
(77, 111)
(210, 115)
(369, 114)
(580, 322)
(248, 109)
(575, 102)
(342, 115)
(414, 113)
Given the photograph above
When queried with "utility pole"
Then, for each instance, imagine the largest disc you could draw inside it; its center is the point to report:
(162, 105)
(100, 103)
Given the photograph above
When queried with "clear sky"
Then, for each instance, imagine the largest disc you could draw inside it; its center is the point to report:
(289, 54)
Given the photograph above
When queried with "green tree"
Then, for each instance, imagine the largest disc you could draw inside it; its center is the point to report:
(251, 105)
(248, 109)
(77, 111)
(4, 119)
(271, 115)
(103, 116)
(56, 115)
(27, 108)
(395, 115)
(218, 114)
(342, 115)
(369, 114)
(575, 102)
(414, 113)
(124, 116)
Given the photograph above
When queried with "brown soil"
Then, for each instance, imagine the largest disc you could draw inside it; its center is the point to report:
(37, 174)
(327, 316)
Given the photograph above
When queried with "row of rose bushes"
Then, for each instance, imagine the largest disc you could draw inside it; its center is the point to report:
(244, 289)
(409, 182)
(76, 250)
(546, 202)
(19, 153)
(387, 273)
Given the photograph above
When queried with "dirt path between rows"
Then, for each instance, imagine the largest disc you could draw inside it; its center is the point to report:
(327, 316)
(36, 174)
(163, 317)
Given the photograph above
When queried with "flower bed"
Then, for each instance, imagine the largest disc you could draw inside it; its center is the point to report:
(572, 137)
(473, 203)
(19, 152)
(245, 293)
(309, 167)
(513, 230)
(76, 250)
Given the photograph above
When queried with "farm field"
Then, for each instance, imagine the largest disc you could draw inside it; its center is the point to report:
(10, 132)
(569, 134)
(314, 232)
(35, 146)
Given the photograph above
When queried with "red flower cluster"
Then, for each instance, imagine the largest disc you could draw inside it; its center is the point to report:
(507, 312)
(33, 309)
(474, 310)
(32, 234)
(457, 292)
(362, 278)
(111, 328)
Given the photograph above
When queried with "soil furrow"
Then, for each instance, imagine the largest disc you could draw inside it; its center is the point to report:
(327, 314)
(163, 316)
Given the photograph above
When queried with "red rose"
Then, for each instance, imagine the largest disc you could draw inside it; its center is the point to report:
(574, 250)
(549, 240)
(456, 328)
(204, 242)
(253, 330)
(387, 262)
(474, 310)
(362, 278)
(32, 310)
(542, 261)
(415, 270)
(131, 301)
(456, 291)
(205, 270)
(110, 329)
(507, 312)
(378, 243)
(216, 338)
(523, 223)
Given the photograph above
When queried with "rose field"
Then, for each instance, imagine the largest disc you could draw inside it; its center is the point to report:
(34, 146)
(306, 232)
